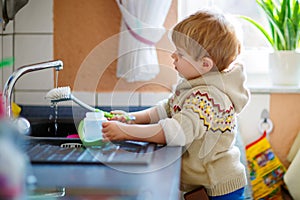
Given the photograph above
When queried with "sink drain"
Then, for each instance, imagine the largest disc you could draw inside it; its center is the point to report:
(71, 145)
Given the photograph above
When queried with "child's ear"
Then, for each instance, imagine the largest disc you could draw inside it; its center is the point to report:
(207, 64)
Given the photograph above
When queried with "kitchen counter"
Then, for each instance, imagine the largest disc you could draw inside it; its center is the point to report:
(158, 180)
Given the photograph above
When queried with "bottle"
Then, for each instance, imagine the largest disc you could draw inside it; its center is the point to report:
(93, 126)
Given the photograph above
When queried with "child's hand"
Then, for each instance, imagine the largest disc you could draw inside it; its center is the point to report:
(121, 116)
(113, 130)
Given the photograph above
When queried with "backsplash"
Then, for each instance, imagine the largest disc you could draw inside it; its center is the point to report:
(123, 99)
(29, 39)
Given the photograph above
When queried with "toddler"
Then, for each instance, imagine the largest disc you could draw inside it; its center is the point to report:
(201, 114)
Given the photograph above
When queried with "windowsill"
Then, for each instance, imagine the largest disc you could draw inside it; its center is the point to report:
(261, 84)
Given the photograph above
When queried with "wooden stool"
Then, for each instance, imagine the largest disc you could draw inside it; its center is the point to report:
(196, 194)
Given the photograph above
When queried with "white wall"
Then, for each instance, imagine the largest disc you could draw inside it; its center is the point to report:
(250, 117)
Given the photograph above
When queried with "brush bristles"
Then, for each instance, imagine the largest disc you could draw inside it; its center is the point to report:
(59, 93)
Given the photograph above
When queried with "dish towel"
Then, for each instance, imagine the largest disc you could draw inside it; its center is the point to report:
(141, 28)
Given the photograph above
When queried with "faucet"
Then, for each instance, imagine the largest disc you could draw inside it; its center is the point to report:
(10, 83)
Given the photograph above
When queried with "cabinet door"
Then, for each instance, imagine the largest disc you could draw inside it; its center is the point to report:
(285, 114)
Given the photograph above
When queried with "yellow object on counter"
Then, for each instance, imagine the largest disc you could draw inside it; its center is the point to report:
(16, 109)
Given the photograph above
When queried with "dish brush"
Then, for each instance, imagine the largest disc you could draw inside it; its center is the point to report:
(64, 94)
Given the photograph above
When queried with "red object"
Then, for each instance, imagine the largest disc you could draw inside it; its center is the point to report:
(2, 110)
(256, 141)
(73, 136)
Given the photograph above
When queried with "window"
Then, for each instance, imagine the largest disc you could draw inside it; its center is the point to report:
(256, 48)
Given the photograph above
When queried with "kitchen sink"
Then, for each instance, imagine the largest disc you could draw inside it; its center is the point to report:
(48, 142)
(50, 128)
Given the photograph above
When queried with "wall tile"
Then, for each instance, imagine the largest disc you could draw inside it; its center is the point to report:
(38, 98)
(150, 99)
(31, 98)
(36, 16)
(86, 97)
(7, 43)
(33, 48)
(30, 49)
(118, 99)
(9, 29)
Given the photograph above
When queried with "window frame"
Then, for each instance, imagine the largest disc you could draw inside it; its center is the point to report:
(255, 59)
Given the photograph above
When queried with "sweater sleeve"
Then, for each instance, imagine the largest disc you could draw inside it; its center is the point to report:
(173, 132)
(182, 128)
(163, 109)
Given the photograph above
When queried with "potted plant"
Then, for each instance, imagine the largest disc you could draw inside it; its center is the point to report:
(283, 17)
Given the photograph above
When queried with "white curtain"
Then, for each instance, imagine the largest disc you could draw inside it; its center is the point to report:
(141, 27)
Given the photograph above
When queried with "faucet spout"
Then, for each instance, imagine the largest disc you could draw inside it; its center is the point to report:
(10, 83)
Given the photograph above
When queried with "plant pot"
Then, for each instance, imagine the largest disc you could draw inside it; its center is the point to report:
(284, 68)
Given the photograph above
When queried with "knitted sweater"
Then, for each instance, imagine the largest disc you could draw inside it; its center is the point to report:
(201, 116)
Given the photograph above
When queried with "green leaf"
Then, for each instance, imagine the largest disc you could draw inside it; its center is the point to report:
(284, 20)
(260, 27)
(296, 22)
(275, 23)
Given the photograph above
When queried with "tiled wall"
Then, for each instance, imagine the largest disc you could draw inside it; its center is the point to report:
(29, 39)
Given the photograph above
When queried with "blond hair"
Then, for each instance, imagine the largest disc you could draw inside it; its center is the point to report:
(208, 33)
